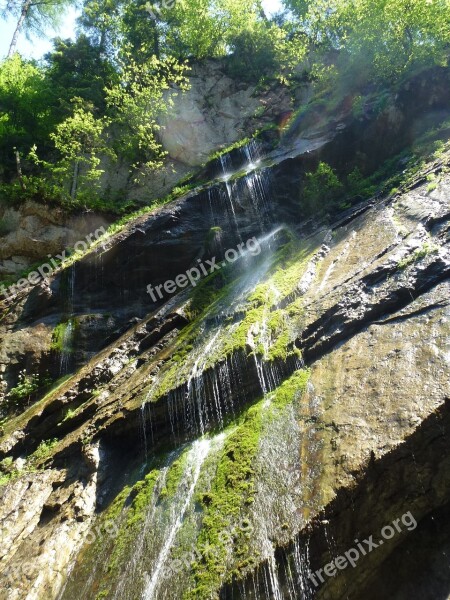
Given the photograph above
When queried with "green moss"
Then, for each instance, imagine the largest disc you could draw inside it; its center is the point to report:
(224, 543)
(141, 495)
(59, 337)
(232, 489)
(419, 254)
(291, 389)
(238, 339)
(174, 476)
(281, 337)
(257, 312)
(207, 293)
(239, 144)
(128, 510)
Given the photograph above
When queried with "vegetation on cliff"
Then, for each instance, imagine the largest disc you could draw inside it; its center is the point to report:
(211, 429)
(98, 100)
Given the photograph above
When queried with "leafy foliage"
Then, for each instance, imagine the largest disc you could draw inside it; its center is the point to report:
(80, 141)
(321, 188)
(26, 385)
(137, 101)
(97, 101)
(381, 38)
(24, 116)
(77, 69)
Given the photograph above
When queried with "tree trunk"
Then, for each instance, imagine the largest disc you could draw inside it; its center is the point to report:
(76, 170)
(23, 15)
(19, 170)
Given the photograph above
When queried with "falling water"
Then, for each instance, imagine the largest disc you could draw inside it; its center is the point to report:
(146, 417)
(225, 163)
(231, 203)
(331, 542)
(302, 563)
(252, 152)
(71, 288)
(197, 455)
(66, 348)
(258, 186)
(69, 329)
(134, 563)
(271, 580)
(144, 429)
(196, 386)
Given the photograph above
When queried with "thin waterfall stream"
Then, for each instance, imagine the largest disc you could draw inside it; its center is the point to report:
(66, 342)
(181, 502)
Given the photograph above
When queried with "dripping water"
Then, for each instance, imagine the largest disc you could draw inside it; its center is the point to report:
(225, 163)
(197, 455)
(66, 348)
(196, 387)
(69, 329)
(302, 563)
(252, 152)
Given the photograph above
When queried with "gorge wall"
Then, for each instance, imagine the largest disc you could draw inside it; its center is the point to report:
(228, 440)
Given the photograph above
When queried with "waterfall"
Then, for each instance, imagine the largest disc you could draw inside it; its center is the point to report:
(144, 429)
(68, 287)
(229, 193)
(272, 587)
(134, 563)
(252, 152)
(302, 569)
(273, 577)
(66, 347)
(196, 386)
(225, 163)
(196, 457)
(258, 186)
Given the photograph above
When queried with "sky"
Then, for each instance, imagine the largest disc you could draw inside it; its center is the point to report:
(36, 47)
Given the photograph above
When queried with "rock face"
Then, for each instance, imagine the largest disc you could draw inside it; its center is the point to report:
(32, 232)
(232, 439)
(216, 112)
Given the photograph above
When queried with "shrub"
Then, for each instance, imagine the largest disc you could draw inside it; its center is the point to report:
(321, 189)
(26, 385)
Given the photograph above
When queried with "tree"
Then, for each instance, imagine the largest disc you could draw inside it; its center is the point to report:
(382, 38)
(121, 25)
(33, 16)
(193, 29)
(78, 69)
(136, 102)
(100, 19)
(321, 188)
(205, 28)
(80, 141)
(24, 110)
